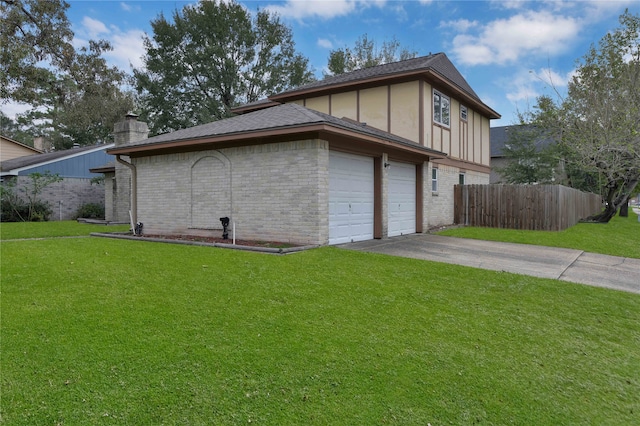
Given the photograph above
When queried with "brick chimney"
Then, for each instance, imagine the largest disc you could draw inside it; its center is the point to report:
(130, 130)
(124, 185)
(41, 144)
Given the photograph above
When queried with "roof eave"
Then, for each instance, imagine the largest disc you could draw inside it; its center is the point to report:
(242, 109)
(106, 169)
(155, 148)
(478, 104)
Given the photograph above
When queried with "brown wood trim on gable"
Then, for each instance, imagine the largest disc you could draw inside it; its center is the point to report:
(388, 129)
(461, 164)
(421, 112)
(431, 76)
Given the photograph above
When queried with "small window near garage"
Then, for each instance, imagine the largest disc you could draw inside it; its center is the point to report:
(461, 178)
(434, 180)
(463, 113)
(441, 108)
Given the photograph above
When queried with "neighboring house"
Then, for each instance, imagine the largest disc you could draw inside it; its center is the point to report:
(500, 137)
(367, 154)
(10, 149)
(76, 188)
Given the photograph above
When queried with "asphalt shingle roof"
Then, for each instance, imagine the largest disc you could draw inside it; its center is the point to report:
(500, 137)
(438, 62)
(276, 117)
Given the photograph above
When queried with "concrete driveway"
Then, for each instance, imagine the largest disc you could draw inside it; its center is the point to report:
(545, 262)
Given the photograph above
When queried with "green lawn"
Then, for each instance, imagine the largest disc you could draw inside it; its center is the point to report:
(619, 237)
(9, 231)
(102, 331)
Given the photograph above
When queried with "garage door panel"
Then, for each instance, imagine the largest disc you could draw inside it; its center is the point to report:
(350, 198)
(401, 199)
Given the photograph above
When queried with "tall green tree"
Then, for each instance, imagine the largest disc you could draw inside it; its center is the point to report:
(35, 39)
(601, 115)
(13, 130)
(74, 96)
(598, 123)
(212, 57)
(365, 54)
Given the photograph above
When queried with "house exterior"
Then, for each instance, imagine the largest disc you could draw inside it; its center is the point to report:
(368, 154)
(500, 137)
(72, 165)
(10, 149)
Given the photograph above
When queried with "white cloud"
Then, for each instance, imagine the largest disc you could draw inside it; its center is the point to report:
(324, 43)
(12, 109)
(506, 41)
(128, 49)
(460, 25)
(552, 78)
(125, 7)
(94, 28)
(508, 4)
(325, 9)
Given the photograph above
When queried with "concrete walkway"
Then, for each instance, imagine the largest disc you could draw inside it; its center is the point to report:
(576, 266)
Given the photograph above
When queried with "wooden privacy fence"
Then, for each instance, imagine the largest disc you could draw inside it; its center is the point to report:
(532, 207)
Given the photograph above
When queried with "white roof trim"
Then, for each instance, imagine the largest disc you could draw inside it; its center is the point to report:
(15, 172)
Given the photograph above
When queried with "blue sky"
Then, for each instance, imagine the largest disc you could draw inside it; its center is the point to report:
(509, 51)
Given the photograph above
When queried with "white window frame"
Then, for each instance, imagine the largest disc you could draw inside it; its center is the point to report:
(434, 180)
(462, 178)
(464, 113)
(444, 119)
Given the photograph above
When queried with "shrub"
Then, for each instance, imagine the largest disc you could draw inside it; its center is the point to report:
(91, 211)
(15, 209)
(18, 211)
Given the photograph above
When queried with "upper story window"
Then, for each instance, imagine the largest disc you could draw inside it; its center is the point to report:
(461, 178)
(463, 112)
(441, 109)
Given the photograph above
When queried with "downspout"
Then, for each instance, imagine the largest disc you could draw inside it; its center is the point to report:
(134, 191)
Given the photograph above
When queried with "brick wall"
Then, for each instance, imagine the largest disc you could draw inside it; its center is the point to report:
(66, 196)
(276, 192)
(438, 206)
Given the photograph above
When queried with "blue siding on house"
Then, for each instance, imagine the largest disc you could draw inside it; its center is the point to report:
(76, 167)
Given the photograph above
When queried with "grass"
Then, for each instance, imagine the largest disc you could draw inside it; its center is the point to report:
(619, 237)
(100, 331)
(70, 228)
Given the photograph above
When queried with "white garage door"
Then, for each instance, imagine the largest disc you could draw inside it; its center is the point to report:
(402, 199)
(350, 198)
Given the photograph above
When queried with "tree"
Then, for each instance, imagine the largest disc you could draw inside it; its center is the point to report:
(13, 130)
(88, 100)
(530, 156)
(598, 123)
(74, 96)
(15, 209)
(214, 56)
(364, 55)
(32, 33)
(602, 114)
